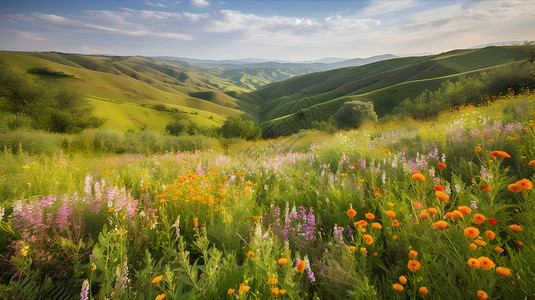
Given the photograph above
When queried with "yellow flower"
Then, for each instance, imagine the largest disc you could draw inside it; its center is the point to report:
(402, 279)
(352, 248)
(160, 297)
(503, 271)
(157, 279)
(398, 287)
(282, 261)
(230, 291)
(471, 232)
(93, 267)
(250, 254)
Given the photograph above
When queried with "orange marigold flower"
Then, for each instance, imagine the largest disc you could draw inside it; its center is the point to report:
(418, 176)
(244, 288)
(300, 266)
(500, 154)
(442, 196)
(480, 242)
(369, 216)
(441, 165)
(390, 204)
(479, 219)
(432, 211)
(474, 263)
(440, 224)
(395, 223)
(195, 223)
(465, 210)
(282, 292)
(531, 163)
(472, 246)
(486, 263)
(402, 279)
(352, 248)
(364, 250)
(514, 187)
(525, 184)
(250, 254)
(519, 242)
(478, 149)
(157, 279)
(368, 239)
(423, 215)
(351, 212)
(482, 295)
(456, 214)
(471, 232)
(413, 254)
(395, 237)
(490, 235)
(438, 188)
(423, 290)
(414, 265)
(498, 250)
(390, 213)
(503, 271)
(160, 297)
(282, 261)
(376, 225)
(378, 195)
(398, 287)
(516, 228)
(361, 223)
(275, 290)
(230, 291)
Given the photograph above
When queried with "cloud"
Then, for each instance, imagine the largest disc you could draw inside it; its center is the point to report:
(382, 7)
(30, 36)
(157, 4)
(200, 3)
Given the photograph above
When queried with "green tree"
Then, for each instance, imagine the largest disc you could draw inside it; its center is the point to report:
(353, 114)
(235, 126)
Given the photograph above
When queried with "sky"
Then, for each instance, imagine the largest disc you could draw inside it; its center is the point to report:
(271, 29)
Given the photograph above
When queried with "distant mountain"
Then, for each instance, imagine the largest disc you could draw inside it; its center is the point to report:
(510, 43)
(360, 61)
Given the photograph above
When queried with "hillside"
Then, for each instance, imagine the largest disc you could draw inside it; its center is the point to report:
(292, 104)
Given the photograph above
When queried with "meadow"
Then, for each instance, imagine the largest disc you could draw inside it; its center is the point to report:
(439, 209)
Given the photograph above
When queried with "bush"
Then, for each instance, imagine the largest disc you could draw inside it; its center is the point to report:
(235, 126)
(353, 114)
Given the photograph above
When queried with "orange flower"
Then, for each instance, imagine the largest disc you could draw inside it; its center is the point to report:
(479, 219)
(369, 216)
(472, 246)
(195, 223)
(498, 250)
(160, 297)
(438, 188)
(441, 165)
(503, 271)
(454, 214)
(157, 279)
(282, 261)
(378, 195)
(514, 187)
(351, 212)
(519, 242)
(490, 235)
(300, 266)
(478, 149)
(516, 228)
(423, 290)
(364, 250)
(474, 263)
(525, 184)
(423, 215)
(471, 232)
(413, 254)
(368, 239)
(250, 254)
(376, 225)
(482, 295)
(465, 210)
(486, 263)
(352, 248)
(531, 163)
(500, 154)
(440, 224)
(395, 237)
(361, 223)
(442, 196)
(418, 176)
(244, 288)
(402, 279)
(230, 291)
(390, 213)
(414, 265)
(486, 188)
(432, 211)
(395, 223)
(282, 292)
(480, 242)
(398, 287)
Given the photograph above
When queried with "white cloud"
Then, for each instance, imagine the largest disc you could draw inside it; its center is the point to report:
(30, 36)
(383, 7)
(200, 3)
(157, 4)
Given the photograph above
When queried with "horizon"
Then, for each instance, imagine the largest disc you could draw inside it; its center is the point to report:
(269, 30)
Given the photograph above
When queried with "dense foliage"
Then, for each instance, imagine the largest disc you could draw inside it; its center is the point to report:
(236, 127)
(353, 114)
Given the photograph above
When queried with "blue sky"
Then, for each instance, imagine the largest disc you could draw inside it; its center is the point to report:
(274, 29)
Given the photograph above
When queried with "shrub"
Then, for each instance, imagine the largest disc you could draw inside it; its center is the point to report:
(353, 114)
(235, 126)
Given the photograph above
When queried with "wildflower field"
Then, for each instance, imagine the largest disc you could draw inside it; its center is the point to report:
(414, 210)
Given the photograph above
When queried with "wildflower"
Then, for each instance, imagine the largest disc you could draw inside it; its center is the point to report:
(390, 204)
(364, 250)
(397, 287)
(516, 228)
(244, 288)
(282, 291)
(110, 210)
(414, 265)
(490, 234)
(378, 195)
(352, 248)
(282, 261)
(256, 218)
(395, 237)
(423, 215)
(395, 223)
(250, 254)
(423, 290)
(480, 242)
(465, 210)
(456, 214)
(369, 216)
(273, 280)
(472, 246)
(482, 295)
(438, 188)
(432, 211)
(486, 188)
(504, 272)
(275, 290)
(160, 297)
(514, 187)
(418, 176)
(368, 239)
(157, 279)
(195, 223)
(413, 253)
(440, 224)
(442, 196)
(441, 165)
(498, 250)
(478, 149)
(230, 291)
(531, 163)
(474, 263)
(93, 267)
(525, 184)
(300, 266)
(402, 279)
(486, 263)
(361, 223)
(519, 242)
(500, 154)
(471, 232)
(390, 213)
(84, 293)
(479, 219)
(376, 225)
(351, 212)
